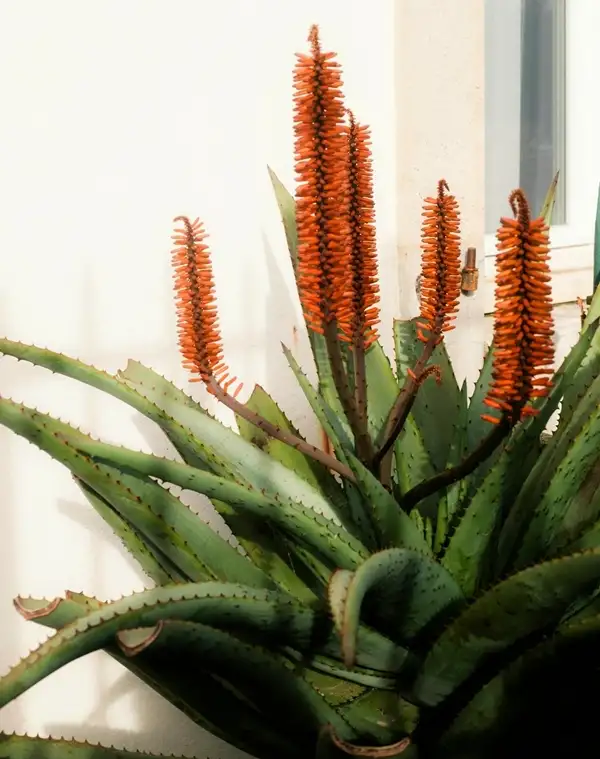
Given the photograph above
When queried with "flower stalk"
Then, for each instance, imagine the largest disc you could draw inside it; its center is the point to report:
(523, 330)
(322, 218)
(523, 324)
(440, 293)
(359, 325)
(200, 338)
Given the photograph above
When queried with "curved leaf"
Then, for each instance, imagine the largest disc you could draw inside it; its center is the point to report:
(302, 524)
(224, 451)
(58, 363)
(356, 520)
(567, 505)
(491, 527)
(27, 747)
(177, 675)
(529, 602)
(170, 526)
(152, 560)
(403, 592)
(272, 616)
(256, 542)
(580, 432)
(315, 473)
(436, 407)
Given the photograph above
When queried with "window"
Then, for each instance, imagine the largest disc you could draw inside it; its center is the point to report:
(541, 65)
(524, 102)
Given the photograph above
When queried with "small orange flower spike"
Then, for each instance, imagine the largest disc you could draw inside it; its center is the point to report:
(523, 323)
(359, 323)
(198, 319)
(322, 271)
(440, 264)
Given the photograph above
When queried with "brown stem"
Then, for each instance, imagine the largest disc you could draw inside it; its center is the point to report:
(278, 433)
(358, 422)
(449, 476)
(360, 381)
(400, 411)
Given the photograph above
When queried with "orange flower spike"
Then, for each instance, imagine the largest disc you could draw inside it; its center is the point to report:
(359, 324)
(320, 170)
(197, 317)
(440, 264)
(523, 322)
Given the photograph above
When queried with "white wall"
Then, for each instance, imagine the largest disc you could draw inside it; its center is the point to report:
(117, 116)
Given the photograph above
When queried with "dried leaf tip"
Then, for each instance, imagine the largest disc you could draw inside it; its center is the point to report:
(440, 264)
(523, 320)
(320, 171)
(360, 318)
(198, 320)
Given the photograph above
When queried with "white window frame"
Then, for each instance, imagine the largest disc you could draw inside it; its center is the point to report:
(572, 243)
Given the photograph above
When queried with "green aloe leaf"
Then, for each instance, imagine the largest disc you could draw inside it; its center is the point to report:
(89, 375)
(511, 715)
(567, 505)
(223, 450)
(534, 506)
(532, 601)
(399, 591)
(450, 500)
(583, 376)
(484, 534)
(477, 428)
(258, 544)
(258, 540)
(175, 673)
(287, 208)
(27, 747)
(549, 201)
(173, 612)
(379, 661)
(381, 716)
(382, 388)
(330, 540)
(437, 407)
(166, 523)
(155, 564)
(356, 520)
(393, 525)
(271, 616)
(315, 473)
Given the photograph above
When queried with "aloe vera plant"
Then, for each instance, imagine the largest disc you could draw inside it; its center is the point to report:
(425, 586)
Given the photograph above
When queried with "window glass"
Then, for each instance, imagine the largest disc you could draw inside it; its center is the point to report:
(525, 103)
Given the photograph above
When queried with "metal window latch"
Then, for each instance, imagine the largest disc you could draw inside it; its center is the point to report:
(470, 273)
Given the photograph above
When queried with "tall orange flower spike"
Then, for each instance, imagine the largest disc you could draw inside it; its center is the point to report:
(359, 323)
(440, 264)
(523, 323)
(198, 320)
(322, 271)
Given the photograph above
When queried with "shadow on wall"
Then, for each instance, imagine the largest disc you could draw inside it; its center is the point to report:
(115, 693)
(156, 725)
(151, 711)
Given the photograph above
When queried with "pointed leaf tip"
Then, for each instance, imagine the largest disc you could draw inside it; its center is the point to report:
(34, 608)
(376, 752)
(133, 642)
